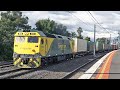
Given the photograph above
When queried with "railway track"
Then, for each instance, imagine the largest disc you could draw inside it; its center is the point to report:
(19, 72)
(15, 73)
(70, 74)
(53, 72)
(9, 65)
(12, 71)
(6, 65)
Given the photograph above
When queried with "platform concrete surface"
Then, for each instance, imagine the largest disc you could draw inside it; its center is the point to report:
(114, 72)
(108, 67)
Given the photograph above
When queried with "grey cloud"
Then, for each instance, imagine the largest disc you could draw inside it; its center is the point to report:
(108, 19)
(58, 12)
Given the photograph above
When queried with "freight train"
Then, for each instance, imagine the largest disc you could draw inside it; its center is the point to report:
(33, 49)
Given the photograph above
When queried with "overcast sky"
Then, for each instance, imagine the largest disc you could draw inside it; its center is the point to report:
(108, 19)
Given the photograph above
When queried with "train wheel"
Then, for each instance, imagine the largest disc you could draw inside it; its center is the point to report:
(55, 60)
(67, 58)
(44, 62)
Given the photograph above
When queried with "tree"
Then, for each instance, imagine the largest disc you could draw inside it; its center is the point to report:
(10, 22)
(79, 33)
(73, 34)
(50, 26)
(61, 30)
(46, 25)
(67, 34)
(103, 40)
(87, 38)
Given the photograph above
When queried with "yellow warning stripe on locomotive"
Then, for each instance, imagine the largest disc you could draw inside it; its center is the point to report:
(17, 61)
(36, 62)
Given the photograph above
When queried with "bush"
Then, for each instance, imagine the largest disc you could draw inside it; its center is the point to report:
(6, 52)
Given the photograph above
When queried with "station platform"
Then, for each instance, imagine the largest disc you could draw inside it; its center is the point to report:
(108, 67)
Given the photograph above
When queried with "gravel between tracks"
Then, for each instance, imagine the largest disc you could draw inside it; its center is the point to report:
(57, 71)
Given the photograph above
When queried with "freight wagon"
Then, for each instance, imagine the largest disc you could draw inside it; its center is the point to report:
(90, 47)
(106, 47)
(99, 46)
(80, 46)
(114, 46)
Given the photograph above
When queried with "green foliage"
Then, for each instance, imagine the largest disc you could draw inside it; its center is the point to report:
(87, 38)
(10, 22)
(79, 30)
(6, 52)
(103, 40)
(50, 26)
(73, 34)
(46, 25)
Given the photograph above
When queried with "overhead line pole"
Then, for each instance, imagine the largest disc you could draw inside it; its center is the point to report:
(94, 40)
(110, 41)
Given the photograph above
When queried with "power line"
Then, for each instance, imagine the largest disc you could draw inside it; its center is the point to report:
(98, 22)
(84, 17)
(78, 18)
(94, 19)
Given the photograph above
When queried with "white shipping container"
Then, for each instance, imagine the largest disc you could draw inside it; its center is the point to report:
(99, 46)
(80, 45)
(106, 46)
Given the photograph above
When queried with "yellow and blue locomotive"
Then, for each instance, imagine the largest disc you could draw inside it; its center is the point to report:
(34, 48)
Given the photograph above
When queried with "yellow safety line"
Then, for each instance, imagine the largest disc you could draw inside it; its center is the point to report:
(100, 76)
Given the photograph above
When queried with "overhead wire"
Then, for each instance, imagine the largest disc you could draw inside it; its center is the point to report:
(99, 23)
(79, 19)
(94, 19)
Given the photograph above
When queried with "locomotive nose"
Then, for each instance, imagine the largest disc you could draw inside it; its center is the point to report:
(25, 60)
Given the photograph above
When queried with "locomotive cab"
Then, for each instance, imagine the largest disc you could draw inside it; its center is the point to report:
(27, 49)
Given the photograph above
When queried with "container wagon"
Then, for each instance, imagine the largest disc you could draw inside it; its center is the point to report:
(90, 47)
(114, 46)
(80, 46)
(99, 46)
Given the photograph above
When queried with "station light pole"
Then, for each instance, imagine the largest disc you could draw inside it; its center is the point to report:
(110, 41)
(94, 40)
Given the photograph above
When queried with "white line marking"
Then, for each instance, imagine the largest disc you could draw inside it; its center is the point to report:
(87, 74)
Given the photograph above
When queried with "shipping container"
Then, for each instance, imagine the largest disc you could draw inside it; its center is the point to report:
(90, 46)
(80, 45)
(114, 46)
(99, 46)
(106, 46)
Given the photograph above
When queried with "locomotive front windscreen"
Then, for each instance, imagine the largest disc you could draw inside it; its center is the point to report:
(33, 39)
(20, 39)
